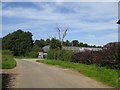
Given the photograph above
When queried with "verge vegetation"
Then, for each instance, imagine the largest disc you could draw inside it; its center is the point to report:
(8, 61)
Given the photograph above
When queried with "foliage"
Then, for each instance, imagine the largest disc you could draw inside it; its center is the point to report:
(34, 52)
(19, 42)
(41, 43)
(58, 54)
(108, 76)
(47, 42)
(7, 60)
(0, 43)
(75, 43)
(67, 43)
(107, 57)
(55, 43)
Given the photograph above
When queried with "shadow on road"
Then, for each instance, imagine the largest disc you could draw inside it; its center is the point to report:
(7, 79)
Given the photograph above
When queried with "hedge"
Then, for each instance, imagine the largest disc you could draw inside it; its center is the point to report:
(58, 54)
(109, 57)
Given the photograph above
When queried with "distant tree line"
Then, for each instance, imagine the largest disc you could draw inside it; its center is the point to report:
(41, 43)
(21, 43)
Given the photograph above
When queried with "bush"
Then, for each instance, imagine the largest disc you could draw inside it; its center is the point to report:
(107, 57)
(34, 52)
(7, 60)
(58, 54)
(7, 52)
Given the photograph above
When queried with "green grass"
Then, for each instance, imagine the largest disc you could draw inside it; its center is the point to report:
(8, 61)
(107, 76)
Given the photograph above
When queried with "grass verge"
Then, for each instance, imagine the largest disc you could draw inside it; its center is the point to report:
(8, 61)
(107, 76)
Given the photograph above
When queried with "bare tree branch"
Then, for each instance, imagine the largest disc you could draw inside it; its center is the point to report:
(64, 34)
(59, 34)
(61, 37)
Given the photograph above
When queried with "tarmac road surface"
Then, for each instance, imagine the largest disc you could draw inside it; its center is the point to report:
(32, 74)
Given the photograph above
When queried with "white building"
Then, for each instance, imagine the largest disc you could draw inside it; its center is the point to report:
(41, 55)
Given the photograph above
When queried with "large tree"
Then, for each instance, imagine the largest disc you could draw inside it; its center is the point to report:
(55, 43)
(75, 43)
(19, 42)
(67, 43)
(41, 43)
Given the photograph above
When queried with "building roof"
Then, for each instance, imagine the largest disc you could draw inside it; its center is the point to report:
(46, 48)
(76, 49)
(79, 49)
(112, 44)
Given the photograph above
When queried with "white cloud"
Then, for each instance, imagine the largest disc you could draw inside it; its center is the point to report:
(86, 17)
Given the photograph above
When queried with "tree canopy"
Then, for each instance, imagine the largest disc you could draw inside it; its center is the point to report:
(75, 43)
(55, 43)
(19, 42)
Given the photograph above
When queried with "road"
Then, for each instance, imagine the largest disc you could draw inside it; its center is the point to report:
(32, 74)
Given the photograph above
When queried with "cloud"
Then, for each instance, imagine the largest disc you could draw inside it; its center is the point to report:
(79, 17)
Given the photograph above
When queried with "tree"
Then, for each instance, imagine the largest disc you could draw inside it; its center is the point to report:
(19, 42)
(55, 43)
(41, 43)
(62, 36)
(67, 43)
(75, 43)
(47, 42)
(86, 45)
(81, 44)
(34, 52)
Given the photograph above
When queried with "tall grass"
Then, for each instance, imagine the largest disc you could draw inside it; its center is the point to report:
(107, 76)
(8, 61)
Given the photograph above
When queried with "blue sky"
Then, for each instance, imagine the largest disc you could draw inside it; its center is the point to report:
(89, 22)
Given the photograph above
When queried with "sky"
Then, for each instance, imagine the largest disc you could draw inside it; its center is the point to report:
(88, 22)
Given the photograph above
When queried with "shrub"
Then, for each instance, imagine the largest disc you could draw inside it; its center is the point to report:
(8, 61)
(34, 52)
(7, 52)
(58, 54)
(109, 57)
